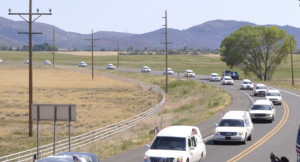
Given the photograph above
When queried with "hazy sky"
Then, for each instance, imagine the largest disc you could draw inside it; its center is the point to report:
(141, 16)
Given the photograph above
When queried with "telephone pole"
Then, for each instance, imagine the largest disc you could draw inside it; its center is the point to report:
(92, 46)
(292, 65)
(166, 47)
(53, 38)
(118, 54)
(30, 21)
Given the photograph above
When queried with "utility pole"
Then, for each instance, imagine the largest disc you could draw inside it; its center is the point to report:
(292, 65)
(118, 54)
(166, 47)
(30, 21)
(53, 47)
(92, 46)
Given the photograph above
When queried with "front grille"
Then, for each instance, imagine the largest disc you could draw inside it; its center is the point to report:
(261, 92)
(260, 115)
(161, 159)
(228, 133)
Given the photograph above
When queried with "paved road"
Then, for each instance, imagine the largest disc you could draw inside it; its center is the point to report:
(278, 137)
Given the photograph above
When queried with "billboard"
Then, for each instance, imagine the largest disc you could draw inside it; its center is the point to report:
(47, 112)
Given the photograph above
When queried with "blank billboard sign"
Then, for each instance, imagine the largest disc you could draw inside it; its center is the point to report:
(47, 112)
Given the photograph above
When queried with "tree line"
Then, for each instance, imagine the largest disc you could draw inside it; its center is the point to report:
(36, 47)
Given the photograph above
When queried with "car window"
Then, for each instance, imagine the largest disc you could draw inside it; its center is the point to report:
(261, 107)
(247, 122)
(193, 140)
(261, 87)
(169, 143)
(231, 123)
(273, 94)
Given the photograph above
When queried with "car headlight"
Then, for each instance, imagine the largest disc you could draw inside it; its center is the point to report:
(216, 132)
(146, 157)
(241, 133)
(180, 159)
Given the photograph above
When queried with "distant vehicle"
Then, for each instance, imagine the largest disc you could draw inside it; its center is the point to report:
(246, 84)
(110, 67)
(26, 61)
(234, 126)
(145, 69)
(72, 157)
(47, 62)
(227, 80)
(233, 75)
(263, 110)
(189, 73)
(169, 71)
(1, 61)
(260, 89)
(82, 64)
(214, 77)
(177, 144)
(274, 96)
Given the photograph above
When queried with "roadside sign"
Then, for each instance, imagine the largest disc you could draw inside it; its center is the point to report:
(47, 112)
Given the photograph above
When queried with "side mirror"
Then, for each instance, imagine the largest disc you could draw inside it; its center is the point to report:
(216, 124)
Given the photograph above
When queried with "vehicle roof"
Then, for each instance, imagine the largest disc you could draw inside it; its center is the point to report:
(214, 74)
(246, 80)
(145, 66)
(177, 131)
(260, 85)
(227, 77)
(273, 91)
(109, 64)
(262, 102)
(188, 70)
(235, 115)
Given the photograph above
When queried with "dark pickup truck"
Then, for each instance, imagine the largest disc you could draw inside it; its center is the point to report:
(232, 74)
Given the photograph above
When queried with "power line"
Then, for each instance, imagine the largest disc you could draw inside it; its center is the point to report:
(30, 21)
(92, 46)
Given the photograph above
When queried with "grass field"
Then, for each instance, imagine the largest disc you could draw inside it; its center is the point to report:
(100, 102)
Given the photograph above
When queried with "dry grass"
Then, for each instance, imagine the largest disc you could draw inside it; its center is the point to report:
(100, 102)
(89, 53)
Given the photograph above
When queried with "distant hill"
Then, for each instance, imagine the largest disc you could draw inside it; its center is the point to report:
(205, 36)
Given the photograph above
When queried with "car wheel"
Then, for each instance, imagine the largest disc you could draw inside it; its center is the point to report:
(250, 137)
(273, 118)
(187, 160)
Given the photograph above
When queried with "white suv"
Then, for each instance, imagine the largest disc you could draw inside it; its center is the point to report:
(260, 89)
(214, 77)
(177, 144)
(234, 126)
(263, 109)
(145, 69)
(110, 67)
(274, 96)
(169, 71)
(227, 80)
(246, 84)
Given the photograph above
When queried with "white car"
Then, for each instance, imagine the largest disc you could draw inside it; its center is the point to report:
(169, 71)
(263, 110)
(234, 126)
(145, 69)
(274, 96)
(260, 89)
(214, 77)
(177, 144)
(1, 61)
(26, 61)
(246, 84)
(227, 80)
(82, 64)
(47, 62)
(110, 67)
(189, 73)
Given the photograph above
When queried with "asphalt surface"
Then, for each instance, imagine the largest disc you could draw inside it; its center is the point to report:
(278, 137)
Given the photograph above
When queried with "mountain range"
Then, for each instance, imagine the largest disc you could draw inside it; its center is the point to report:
(208, 35)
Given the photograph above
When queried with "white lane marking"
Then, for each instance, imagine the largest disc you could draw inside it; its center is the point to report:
(207, 138)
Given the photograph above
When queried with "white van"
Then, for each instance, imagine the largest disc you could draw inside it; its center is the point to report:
(177, 143)
(234, 126)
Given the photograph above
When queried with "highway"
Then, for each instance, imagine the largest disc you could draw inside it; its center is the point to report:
(278, 137)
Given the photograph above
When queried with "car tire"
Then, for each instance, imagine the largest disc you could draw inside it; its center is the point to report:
(187, 160)
(245, 141)
(250, 137)
(273, 118)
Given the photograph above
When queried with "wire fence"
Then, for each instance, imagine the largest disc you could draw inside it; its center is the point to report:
(87, 138)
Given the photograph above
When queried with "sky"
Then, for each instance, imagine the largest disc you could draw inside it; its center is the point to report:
(142, 16)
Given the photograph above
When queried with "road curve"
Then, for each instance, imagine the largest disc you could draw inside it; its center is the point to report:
(278, 137)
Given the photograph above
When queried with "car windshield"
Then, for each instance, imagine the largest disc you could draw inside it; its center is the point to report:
(273, 94)
(247, 83)
(169, 143)
(215, 75)
(261, 107)
(228, 79)
(231, 123)
(261, 87)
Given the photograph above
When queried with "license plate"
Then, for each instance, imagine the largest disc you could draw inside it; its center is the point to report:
(227, 138)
